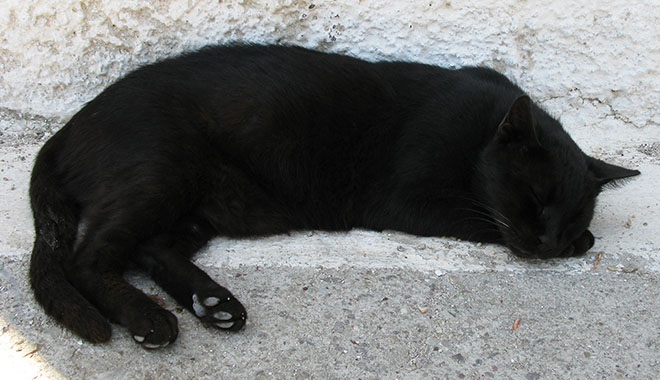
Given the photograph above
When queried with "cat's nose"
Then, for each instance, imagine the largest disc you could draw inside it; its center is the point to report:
(547, 245)
(547, 241)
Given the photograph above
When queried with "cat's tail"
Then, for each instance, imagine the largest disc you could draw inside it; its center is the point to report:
(56, 221)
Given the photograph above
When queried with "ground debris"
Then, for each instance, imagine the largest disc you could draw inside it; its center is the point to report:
(515, 324)
(623, 269)
(35, 349)
(597, 261)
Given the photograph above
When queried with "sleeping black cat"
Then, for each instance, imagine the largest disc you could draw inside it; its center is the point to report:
(240, 141)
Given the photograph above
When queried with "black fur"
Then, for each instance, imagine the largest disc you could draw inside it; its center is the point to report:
(254, 140)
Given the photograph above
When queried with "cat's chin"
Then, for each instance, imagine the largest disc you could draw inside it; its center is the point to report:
(544, 254)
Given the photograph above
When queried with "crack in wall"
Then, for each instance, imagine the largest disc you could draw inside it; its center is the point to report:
(614, 114)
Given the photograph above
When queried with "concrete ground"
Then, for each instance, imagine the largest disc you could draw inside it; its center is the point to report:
(367, 305)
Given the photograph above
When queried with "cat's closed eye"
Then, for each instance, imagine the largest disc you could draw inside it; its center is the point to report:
(539, 202)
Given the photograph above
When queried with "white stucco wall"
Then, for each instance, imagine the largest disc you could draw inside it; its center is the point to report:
(593, 64)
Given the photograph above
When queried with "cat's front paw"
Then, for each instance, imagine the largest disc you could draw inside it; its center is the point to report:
(578, 247)
(220, 309)
(153, 328)
(582, 244)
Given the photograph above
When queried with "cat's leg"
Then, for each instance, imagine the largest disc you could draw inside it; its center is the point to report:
(580, 246)
(234, 206)
(166, 259)
(96, 270)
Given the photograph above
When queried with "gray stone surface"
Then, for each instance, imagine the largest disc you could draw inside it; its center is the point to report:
(379, 324)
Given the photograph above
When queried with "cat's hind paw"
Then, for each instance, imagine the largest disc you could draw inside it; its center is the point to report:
(155, 328)
(219, 309)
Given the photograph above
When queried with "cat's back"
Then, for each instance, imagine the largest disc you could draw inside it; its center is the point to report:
(249, 90)
(235, 93)
(282, 115)
(254, 69)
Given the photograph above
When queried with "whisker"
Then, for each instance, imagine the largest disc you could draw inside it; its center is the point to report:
(488, 221)
(491, 214)
(496, 219)
(484, 206)
(491, 209)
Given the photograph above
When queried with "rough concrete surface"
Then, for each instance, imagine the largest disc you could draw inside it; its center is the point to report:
(363, 305)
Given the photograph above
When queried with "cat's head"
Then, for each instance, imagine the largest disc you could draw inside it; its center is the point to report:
(540, 188)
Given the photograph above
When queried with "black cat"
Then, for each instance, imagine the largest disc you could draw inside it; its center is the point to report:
(243, 141)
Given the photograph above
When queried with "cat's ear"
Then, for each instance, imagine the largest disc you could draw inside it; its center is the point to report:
(607, 173)
(518, 125)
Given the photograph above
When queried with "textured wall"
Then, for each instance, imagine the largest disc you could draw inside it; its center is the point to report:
(595, 65)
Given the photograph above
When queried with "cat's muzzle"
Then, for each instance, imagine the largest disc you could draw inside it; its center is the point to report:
(551, 249)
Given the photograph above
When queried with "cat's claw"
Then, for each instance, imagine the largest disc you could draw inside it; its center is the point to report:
(223, 312)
